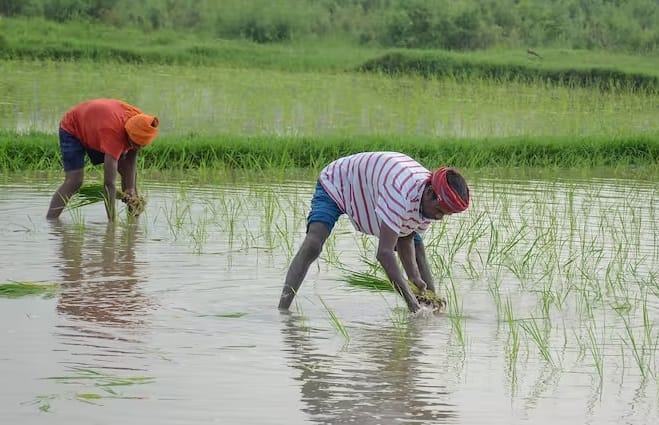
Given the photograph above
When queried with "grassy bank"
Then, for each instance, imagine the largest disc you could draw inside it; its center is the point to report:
(30, 39)
(38, 39)
(39, 151)
(561, 72)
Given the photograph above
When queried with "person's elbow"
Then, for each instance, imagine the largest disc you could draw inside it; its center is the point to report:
(384, 254)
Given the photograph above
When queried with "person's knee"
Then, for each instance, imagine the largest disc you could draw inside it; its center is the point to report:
(312, 247)
(74, 179)
(317, 234)
(314, 244)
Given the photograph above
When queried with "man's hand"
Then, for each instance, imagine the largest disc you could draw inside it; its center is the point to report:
(420, 284)
(135, 203)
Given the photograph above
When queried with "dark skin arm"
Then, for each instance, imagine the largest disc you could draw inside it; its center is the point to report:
(407, 254)
(109, 177)
(387, 258)
(424, 268)
(127, 168)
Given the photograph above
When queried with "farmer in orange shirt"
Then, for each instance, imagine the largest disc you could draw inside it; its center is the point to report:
(111, 132)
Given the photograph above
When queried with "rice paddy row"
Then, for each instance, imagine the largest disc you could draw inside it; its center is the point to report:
(263, 153)
(567, 267)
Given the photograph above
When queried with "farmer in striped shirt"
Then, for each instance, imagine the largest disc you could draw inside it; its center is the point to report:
(388, 195)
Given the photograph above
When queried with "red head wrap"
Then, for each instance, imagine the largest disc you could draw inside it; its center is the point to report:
(449, 200)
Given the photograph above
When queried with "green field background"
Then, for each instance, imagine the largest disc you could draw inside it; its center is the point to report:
(248, 85)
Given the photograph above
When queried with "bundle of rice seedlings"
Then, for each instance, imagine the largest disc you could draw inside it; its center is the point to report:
(93, 193)
(22, 289)
(428, 298)
(87, 195)
(376, 283)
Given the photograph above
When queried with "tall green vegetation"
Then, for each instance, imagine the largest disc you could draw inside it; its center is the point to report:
(38, 151)
(631, 25)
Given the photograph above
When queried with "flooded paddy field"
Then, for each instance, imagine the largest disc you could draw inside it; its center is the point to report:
(212, 100)
(553, 292)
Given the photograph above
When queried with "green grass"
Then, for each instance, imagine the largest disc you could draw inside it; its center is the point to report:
(90, 194)
(19, 152)
(554, 70)
(368, 281)
(75, 41)
(78, 41)
(24, 289)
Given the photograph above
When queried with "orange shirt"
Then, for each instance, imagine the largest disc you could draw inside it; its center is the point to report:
(99, 125)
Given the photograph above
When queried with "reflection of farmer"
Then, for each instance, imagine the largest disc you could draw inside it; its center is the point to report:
(386, 194)
(380, 380)
(110, 132)
(99, 276)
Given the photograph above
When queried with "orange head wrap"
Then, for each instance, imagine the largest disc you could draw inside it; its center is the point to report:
(142, 128)
(449, 200)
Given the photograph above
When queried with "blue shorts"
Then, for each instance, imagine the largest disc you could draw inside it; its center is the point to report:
(323, 209)
(326, 211)
(73, 152)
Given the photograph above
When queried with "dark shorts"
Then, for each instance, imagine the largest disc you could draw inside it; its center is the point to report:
(326, 211)
(323, 208)
(73, 152)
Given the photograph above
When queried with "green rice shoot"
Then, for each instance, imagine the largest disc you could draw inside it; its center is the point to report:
(376, 283)
(24, 289)
(88, 195)
(368, 281)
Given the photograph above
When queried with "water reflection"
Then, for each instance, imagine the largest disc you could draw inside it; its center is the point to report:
(99, 273)
(380, 378)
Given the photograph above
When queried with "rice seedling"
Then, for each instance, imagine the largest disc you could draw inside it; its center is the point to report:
(336, 322)
(330, 254)
(43, 402)
(199, 233)
(494, 288)
(177, 216)
(24, 289)
(512, 348)
(107, 383)
(595, 348)
(94, 193)
(539, 337)
(368, 281)
(100, 379)
(455, 313)
(399, 318)
(373, 282)
(283, 234)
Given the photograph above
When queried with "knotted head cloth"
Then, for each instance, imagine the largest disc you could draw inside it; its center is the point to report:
(142, 128)
(450, 201)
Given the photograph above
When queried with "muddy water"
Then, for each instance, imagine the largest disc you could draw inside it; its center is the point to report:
(553, 293)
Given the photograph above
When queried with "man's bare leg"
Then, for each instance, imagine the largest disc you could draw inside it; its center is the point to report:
(310, 250)
(72, 182)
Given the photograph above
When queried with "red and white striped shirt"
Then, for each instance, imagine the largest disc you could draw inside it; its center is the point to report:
(378, 187)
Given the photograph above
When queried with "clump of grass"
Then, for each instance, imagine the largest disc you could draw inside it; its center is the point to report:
(23, 289)
(368, 281)
(377, 283)
(87, 195)
(336, 322)
(93, 193)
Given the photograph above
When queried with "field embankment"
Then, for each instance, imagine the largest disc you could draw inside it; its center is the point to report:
(41, 152)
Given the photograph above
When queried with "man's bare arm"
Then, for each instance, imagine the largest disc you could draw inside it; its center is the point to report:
(109, 178)
(407, 255)
(387, 258)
